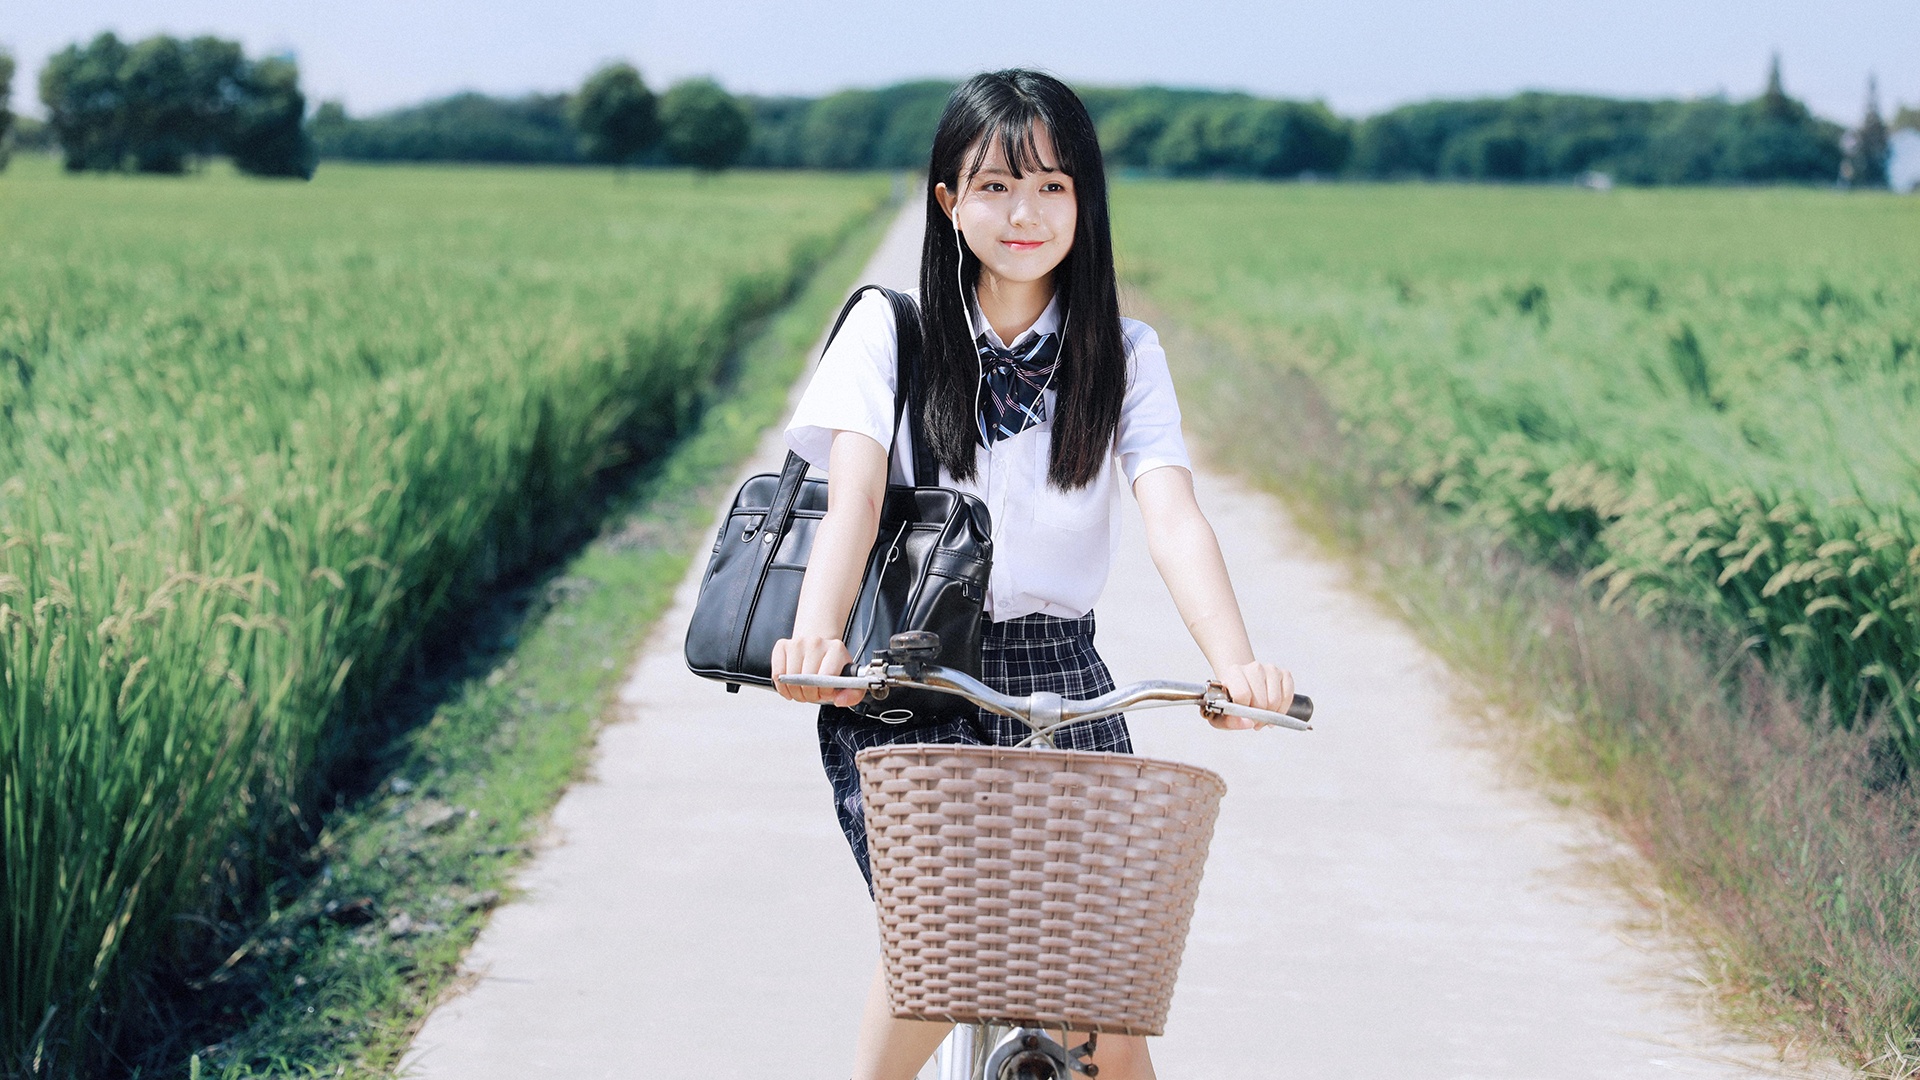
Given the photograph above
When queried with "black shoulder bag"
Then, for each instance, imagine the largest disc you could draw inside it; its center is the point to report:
(927, 570)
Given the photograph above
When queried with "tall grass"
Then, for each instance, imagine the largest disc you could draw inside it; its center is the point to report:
(1794, 878)
(329, 976)
(1642, 464)
(259, 439)
(1707, 401)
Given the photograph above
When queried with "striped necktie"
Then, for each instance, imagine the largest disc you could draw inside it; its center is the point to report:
(1015, 379)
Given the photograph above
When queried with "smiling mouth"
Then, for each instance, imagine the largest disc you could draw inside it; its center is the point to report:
(1023, 245)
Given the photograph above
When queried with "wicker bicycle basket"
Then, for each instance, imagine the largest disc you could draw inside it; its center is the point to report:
(1034, 886)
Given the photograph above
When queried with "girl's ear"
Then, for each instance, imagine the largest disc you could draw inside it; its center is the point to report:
(944, 197)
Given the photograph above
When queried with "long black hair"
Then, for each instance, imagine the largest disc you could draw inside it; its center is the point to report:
(1090, 384)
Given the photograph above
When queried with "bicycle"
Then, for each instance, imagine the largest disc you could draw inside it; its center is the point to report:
(970, 842)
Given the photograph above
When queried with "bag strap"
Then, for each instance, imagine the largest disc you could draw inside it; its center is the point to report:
(906, 387)
(906, 326)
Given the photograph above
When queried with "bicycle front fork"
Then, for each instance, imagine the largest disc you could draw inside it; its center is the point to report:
(981, 1052)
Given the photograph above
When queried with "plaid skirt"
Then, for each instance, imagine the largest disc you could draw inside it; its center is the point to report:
(1020, 656)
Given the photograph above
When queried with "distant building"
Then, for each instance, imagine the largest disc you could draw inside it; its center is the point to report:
(1903, 169)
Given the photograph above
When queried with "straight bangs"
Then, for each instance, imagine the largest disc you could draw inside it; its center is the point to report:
(1014, 134)
(1005, 110)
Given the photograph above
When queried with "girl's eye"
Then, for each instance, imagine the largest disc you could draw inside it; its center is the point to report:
(995, 185)
(1055, 186)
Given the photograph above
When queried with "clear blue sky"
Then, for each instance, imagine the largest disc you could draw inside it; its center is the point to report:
(1360, 55)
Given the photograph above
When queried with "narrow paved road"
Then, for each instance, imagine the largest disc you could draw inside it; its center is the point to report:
(1379, 901)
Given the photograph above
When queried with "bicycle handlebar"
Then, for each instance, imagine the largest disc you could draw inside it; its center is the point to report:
(901, 666)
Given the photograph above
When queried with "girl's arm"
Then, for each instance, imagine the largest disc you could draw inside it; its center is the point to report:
(856, 486)
(1187, 554)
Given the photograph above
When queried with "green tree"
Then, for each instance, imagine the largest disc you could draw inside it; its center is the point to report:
(1185, 147)
(86, 103)
(1685, 144)
(1287, 138)
(1129, 132)
(1382, 148)
(616, 115)
(905, 134)
(1775, 137)
(464, 127)
(777, 131)
(268, 136)
(162, 102)
(840, 130)
(329, 119)
(6, 110)
(1238, 135)
(216, 75)
(182, 99)
(160, 114)
(1495, 152)
(1871, 152)
(1773, 102)
(1413, 139)
(704, 126)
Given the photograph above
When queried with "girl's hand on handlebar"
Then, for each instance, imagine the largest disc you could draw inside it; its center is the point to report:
(813, 656)
(1258, 684)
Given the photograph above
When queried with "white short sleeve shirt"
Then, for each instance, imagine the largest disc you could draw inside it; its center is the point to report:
(1052, 549)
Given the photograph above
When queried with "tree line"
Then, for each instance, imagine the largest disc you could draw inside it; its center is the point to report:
(1180, 132)
(6, 107)
(1772, 137)
(614, 119)
(1535, 136)
(161, 103)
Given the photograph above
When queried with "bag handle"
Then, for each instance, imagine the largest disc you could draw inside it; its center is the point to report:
(906, 326)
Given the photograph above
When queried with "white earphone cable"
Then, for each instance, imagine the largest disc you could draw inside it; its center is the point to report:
(966, 312)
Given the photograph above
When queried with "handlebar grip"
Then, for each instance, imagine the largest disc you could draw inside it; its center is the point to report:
(1262, 716)
(829, 682)
(1302, 707)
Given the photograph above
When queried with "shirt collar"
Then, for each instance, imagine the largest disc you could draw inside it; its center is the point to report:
(1047, 323)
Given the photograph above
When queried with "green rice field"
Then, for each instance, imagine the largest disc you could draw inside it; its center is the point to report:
(260, 440)
(1707, 401)
(264, 441)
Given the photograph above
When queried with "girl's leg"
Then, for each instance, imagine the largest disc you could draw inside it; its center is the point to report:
(1120, 1057)
(892, 1049)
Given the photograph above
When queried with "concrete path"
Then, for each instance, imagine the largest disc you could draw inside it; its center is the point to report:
(1379, 902)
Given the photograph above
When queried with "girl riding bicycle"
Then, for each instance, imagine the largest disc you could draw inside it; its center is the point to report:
(1038, 397)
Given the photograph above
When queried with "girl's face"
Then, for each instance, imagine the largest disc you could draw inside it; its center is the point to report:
(1020, 228)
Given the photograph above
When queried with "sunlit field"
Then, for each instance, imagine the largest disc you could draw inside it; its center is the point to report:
(1706, 399)
(1605, 451)
(259, 439)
